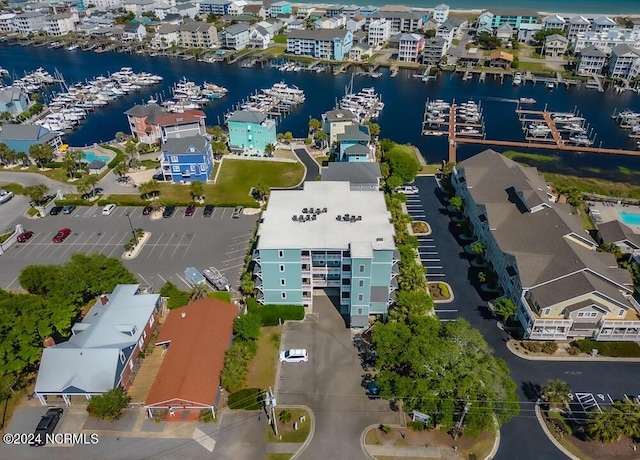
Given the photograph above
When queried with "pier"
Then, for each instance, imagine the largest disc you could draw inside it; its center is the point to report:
(342, 69)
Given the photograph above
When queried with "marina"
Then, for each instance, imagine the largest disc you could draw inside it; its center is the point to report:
(276, 102)
(188, 95)
(365, 105)
(401, 118)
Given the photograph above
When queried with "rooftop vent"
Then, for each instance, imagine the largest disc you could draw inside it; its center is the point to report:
(104, 299)
(183, 315)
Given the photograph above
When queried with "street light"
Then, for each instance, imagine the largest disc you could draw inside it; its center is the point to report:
(131, 225)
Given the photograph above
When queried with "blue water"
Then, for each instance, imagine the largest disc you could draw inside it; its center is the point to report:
(91, 156)
(400, 120)
(567, 6)
(630, 218)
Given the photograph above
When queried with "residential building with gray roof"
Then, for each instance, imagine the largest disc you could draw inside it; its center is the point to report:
(542, 257)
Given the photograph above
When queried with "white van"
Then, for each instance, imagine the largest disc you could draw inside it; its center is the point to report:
(108, 209)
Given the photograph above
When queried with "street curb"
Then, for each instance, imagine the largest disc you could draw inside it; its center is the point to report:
(591, 359)
(304, 166)
(496, 442)
(452, 296)
(312, 430)
(363, 435)
(555, 442)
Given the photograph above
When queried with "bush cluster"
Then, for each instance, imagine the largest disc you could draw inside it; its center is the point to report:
(247, 399)
(272, 315)
(236, 362)
(614, 349)
(535, 346)
(444, 290)
(177, 298)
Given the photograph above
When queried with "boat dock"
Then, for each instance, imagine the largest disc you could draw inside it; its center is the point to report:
(342, 69)
(394, 71)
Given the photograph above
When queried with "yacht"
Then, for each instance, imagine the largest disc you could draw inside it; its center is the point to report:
(527, 100)
(285, 92)
(575, 128)
(580, 140)
(517, 78)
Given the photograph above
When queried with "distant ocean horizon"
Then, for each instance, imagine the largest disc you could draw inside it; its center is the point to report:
(618, 7)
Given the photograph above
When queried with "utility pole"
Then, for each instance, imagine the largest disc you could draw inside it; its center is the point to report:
(272, 411)
(459, 427)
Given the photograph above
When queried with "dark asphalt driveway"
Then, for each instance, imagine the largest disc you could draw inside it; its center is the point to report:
(313, 170)
(522, 438)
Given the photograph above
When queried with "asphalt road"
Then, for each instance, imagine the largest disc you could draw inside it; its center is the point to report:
(330, 383)
(27, 178)
(175, 243)
(522, 438)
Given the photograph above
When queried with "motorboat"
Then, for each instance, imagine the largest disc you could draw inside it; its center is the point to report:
(527, 100)
(517, 78)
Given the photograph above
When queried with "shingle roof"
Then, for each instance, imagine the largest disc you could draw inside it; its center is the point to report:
(619, 50)
(236, 29)
(21, 132)
(158, 116)
(615, 232)
(354, 133)
(318, 34)
(339, 115)
(358, 173)
(592, 51)
(190, 371)
(501, 55)
(556, 37)
(541, 242)
(247, 116)
(181, 145)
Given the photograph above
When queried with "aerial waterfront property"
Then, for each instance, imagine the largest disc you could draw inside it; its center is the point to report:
(332, 237)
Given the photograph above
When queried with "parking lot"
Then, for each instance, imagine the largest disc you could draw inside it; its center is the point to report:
(176, 242)
(421, 207)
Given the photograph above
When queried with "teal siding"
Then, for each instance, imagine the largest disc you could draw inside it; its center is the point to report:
(273, 255)
(378, 308)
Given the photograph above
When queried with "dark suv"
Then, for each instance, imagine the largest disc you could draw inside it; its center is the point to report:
(47, 424)
(168, 211)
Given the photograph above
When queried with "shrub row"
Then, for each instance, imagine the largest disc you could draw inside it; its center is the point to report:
(535, 346)
(117, 159)
(236, 364)
(614, 349)
(247, 399)
(444, 290)
(177, 298)
(272, 315)
(53, 164)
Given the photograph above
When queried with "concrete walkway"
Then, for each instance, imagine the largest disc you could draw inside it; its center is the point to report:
(404, 451)
(284, 447)
(512, 349)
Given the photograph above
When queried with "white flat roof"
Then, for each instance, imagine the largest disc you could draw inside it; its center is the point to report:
(278, 230)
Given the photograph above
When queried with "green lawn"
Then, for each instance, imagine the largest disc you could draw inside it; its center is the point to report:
(282, 39)
(286, 429)
(275, 50)
(535, 67)
(262, 369)
(513, 155)
(225, 296)
(17, 189)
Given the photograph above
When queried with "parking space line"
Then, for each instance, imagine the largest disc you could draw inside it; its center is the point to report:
(223, 211)
(184, 281)
(235, 250)
(242, 236)
(124, 211)
(239, 242)
(193, 237)
(160, 276)
(428, 246)
(167, 244)
(234, 258)
(417, 215)
(105, 245)
(232, 267)
(445, 311)
(435, 274)
(89, 211)
(61, 245)
(177, 246)
(432, 266)
(120, 243)
(430, 260)
(88, 239)
(37, 245)
(155, 245)
(94, 244)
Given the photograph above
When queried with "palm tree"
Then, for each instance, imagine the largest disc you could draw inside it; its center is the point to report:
(197, 189)
(144, 190)
(284, 416)
(322, 137)
(92, 180)
(630, 412)
(556, 393)
(314, 125)
(605, 425)
(456, 203)
(478, 249)
(269, 149)
(41, 153)
(71, 160)
(198, 292)
(37, 192)
(121, 168)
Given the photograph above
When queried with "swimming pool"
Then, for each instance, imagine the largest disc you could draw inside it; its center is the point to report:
(630, 218)
(91, 156)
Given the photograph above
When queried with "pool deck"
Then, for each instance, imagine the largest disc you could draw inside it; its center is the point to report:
(608, 211)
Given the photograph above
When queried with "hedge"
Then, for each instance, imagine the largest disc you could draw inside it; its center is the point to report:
(117, 159)
(53, 164)
(247, 399)
(613, 349)
(271, 314)
(536, 346)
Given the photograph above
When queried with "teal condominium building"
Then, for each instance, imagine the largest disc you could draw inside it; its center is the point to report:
(331, 237)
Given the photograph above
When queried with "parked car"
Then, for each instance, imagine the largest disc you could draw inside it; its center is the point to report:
(208, 211)
(294, 355)
(62, 235)
(56, 210)
(373, 391)
(46, 425)
(108, 209)
(237, 212)
(68, 209)
(168, 211)
(408, 190)
(5, 196)
(123, 179)
(25, 236)
(191, 209)
(147, 210)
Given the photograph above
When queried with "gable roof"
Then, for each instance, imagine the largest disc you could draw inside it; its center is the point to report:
(556, 37)
(545, 245)
(592, 51)
(29, 132)
(197, 343)
(619, 50)
(354, 132)
(616, 232)
(501, 55)
(236, 29)
(89, 362)
(181, 145)
(158, 116)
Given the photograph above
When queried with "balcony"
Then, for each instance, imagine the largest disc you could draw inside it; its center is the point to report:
(257, 271)
(305, 259)
(256, 256)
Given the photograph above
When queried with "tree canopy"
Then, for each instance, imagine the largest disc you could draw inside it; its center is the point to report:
(439, 369)
(487, 41)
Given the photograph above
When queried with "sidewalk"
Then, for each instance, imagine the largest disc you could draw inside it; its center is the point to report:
(404, 451)
(511, 348)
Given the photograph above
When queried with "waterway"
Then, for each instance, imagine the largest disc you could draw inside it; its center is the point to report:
(400, 120)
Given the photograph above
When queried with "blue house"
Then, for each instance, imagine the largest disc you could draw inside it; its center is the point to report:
(215, 7)
(21, 137)
(279, 8)
(250, 132)
(353, 144)
(13, 100)
(187, 159)
(368, 10)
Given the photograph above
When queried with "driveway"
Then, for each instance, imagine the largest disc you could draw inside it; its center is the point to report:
(313, 169)
(330, 384)
(175, 243)
(523, 434)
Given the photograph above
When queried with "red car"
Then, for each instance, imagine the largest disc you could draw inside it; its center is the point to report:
(190, 210)
(147, 210)
(62, 234)
(24, 236)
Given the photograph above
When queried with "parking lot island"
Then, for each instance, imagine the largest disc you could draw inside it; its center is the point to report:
(133, 253)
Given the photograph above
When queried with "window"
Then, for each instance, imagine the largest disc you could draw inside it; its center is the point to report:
(361, 268)
(621, 312)
(281, 254)
(192, 168)
(151, 321)
(176, 169)
(283, 295)
(546, 311)
(587, 314)
(122, 358)
(360, 310)
(174, 159)
(360, 283)
(281, 268)
(360, 297)
(203, 168)
(283, 281)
